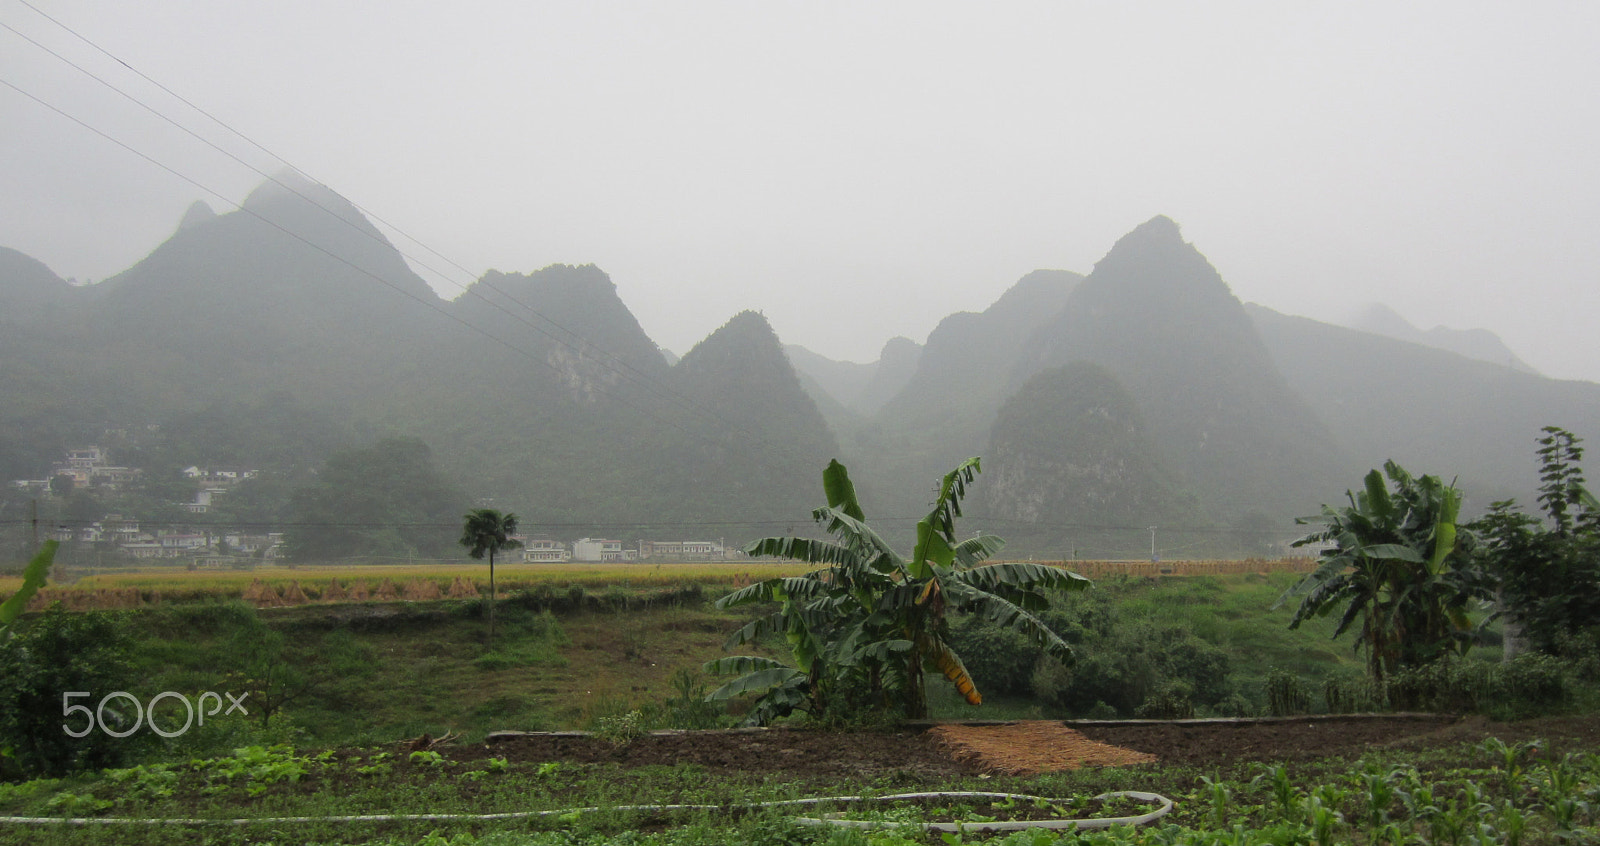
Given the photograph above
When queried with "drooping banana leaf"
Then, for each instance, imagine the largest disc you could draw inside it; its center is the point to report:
(802, 549)
(758, 681)
(974, 551)
(853, 534)
(33, 578)
(1394, 551)
(1007, 614)
(1018, 574)
(953, 669)
(882, 651)
(772, 590)
(756, 629)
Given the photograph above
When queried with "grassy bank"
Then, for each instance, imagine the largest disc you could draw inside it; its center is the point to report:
(564, 656)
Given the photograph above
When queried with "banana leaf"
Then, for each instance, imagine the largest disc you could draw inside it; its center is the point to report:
(33, 578)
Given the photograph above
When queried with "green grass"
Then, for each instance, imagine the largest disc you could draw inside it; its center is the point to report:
(431, 668)
(382, 675)
(1233, 612)
(408, 668)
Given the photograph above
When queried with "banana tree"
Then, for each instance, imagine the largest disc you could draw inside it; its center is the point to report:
(871, 616)
(1390, 564)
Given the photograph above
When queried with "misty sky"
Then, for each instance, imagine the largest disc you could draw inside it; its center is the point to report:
(857, 170)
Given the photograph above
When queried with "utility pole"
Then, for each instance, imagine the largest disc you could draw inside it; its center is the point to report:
(1153, 543)
(33, 518)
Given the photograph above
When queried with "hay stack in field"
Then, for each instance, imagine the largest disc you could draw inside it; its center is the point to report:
(422, 590)
(385, 592)
(263, 595)
(358, 592)
(334, 593)
(294, 595)
(463, 588)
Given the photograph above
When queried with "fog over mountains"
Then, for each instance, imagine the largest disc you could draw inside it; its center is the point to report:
(1142, 394)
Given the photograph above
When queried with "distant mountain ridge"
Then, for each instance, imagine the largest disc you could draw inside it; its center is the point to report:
(1142, 395)
(31, 291)
(1160, 319)
(1253, 417)
(940, 411)
(1432, 410)
(538, 390)
(1480, 344)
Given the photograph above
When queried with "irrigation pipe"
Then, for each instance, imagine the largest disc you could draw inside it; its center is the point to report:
(1015, 825)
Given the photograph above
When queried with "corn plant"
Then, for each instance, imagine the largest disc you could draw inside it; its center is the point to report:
(1511, 760)
(1221, 800)
(1284, 793)
(1380, 796)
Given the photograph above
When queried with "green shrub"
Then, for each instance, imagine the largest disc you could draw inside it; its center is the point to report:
(1001, 661)
(689, 709)
(1529, 685)
(1124, 664)
(1172, 701)
(1526, 686)
(621, 729)
(1286, 695)
(63, 652)
(1351, 695)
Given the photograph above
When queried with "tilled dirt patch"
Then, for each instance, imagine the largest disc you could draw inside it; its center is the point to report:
(1218, 742)
(830, 755)
(1030, 747)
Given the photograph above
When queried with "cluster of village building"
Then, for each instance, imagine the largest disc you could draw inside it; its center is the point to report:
(90, 467)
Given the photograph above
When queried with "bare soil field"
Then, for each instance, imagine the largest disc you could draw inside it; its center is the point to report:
(923, 752)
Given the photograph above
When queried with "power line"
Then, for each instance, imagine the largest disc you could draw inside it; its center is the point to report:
(220, 122)
(578, 343)
(435, 305)
(359, 524)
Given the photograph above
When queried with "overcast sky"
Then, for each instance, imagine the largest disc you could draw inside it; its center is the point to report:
(856, 170)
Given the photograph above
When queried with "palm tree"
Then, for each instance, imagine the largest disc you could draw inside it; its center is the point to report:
(1391, 564)
(875, 618)
(486, 530)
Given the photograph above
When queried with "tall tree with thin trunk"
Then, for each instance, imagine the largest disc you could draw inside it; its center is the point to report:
(486, 530)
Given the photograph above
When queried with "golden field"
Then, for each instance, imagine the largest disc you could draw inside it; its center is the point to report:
(175, 582)
(512, 576)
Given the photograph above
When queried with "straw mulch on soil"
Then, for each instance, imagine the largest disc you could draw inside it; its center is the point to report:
(1030, 747)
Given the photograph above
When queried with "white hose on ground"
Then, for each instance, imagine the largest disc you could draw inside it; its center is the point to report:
(1101, 822)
